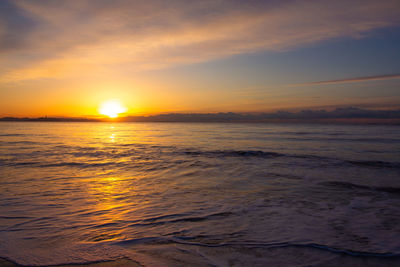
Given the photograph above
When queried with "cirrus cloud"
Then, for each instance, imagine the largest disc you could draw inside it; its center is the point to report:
(76, 38)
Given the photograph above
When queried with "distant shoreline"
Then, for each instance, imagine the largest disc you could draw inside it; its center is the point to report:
(277, 121)
(340, 115)
(49, 119)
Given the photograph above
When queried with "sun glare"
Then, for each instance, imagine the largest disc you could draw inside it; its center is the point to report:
(111, 108)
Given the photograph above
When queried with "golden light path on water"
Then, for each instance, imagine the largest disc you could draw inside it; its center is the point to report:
(114, 196)
(107, 193)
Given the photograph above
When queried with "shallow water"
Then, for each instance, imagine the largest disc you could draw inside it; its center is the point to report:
(202, 194)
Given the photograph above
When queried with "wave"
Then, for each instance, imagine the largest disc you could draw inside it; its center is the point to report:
(235, 153)
(78, 164)
(266, 154)
(183, 241)
(11, 135)
(23, 142)
(59, 164)
(110, 157)
(375, 164)
(153, 221)
(352, 140)
(15, 217)
(351, 186)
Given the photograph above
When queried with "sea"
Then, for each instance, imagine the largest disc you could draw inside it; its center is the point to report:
(200, 194)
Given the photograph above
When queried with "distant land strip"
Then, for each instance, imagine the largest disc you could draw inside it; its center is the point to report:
(339, 115)
(51, 119)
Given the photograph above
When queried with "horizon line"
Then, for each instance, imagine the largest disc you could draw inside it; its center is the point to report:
(342, 114)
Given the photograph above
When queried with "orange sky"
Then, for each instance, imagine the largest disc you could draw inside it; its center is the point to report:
(66, 58)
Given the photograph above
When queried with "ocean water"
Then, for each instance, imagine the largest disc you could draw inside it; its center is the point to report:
(178, 194)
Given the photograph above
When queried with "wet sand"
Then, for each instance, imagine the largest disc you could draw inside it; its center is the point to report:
(117, 263)
(341, 260)
(338, 260)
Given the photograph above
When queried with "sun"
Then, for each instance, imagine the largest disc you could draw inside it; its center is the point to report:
(111, 108)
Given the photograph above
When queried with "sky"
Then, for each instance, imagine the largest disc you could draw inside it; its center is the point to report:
(66, 58)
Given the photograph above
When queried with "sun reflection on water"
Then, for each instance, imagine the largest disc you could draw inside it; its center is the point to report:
(107, 195)
(112, 137)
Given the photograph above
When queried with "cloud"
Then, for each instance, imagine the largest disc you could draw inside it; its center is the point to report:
(14, 27)
(75, 38)
(353, 80)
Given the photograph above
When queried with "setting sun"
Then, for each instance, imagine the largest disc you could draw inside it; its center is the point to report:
(111, 108)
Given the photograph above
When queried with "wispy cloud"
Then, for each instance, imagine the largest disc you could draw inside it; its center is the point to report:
(352, 80)
(75, 38)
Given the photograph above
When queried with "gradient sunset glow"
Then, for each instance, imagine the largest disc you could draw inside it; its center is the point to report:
(65, 58)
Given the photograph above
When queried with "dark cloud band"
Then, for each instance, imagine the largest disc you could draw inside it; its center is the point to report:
(353, 80)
